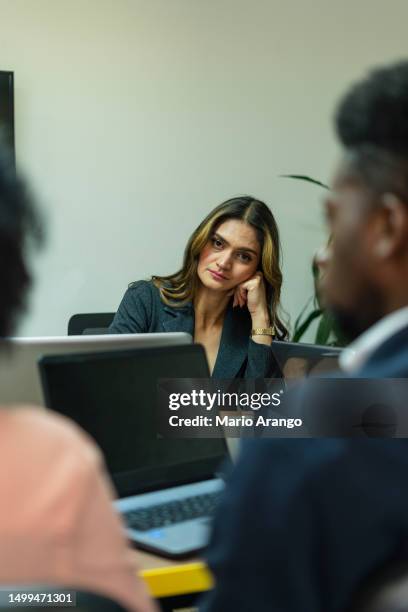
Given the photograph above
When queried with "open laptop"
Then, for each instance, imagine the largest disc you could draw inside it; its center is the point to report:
(168, 487)
(19, 379)
(299, 359)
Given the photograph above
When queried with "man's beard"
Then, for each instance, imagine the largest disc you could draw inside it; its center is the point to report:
(367, 310)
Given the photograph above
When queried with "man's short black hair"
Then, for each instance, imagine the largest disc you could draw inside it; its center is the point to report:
(19, 222)
(375, 111)
(372, 124)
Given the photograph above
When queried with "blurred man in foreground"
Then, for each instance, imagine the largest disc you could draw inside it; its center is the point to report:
(303, 522)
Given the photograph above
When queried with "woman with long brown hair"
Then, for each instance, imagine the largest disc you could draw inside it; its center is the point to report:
(226, 295)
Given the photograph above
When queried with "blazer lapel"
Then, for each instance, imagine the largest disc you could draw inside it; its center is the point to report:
(233, 350)
(178, 319)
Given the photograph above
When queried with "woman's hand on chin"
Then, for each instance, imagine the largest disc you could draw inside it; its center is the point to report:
(252, 294)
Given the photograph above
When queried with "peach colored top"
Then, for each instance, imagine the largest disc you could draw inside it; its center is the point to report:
(57, 523)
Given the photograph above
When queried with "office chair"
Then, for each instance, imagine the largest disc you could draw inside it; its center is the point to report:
(385, 590)
(85, 601)
(90, 323)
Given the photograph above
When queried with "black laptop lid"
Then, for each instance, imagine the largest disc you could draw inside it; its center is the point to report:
(113, 397)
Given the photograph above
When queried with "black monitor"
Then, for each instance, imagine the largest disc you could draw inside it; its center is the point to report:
(7, 110)
(113, 397)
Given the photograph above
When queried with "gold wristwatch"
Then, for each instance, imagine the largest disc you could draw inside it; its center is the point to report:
(263, 331)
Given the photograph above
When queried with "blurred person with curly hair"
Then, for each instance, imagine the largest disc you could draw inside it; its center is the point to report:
(57, 523)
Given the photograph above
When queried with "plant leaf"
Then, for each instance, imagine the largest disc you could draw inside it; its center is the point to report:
(303, 177)
(298, 333)
(324, 329)
(328, 327)
(302, 312)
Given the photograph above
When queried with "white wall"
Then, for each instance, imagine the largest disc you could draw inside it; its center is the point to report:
(135, 117)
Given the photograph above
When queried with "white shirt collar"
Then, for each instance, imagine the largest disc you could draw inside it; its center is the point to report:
(358, 353)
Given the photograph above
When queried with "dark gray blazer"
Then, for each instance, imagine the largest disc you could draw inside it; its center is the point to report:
(142, 311)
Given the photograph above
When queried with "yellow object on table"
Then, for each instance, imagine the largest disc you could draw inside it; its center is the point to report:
(166, 578)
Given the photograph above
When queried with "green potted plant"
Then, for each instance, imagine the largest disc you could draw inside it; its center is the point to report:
(327, 332)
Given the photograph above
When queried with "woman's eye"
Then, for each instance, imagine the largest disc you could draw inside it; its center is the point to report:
(217, 243)
(244, 257)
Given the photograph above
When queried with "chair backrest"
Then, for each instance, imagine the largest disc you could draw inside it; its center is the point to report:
(90, 323)
(385, 590)
(14, 597)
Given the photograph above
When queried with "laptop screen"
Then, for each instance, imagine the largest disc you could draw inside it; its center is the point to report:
(113, 397)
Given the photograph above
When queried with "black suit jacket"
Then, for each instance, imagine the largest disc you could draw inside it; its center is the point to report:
(142, 311)
(303, 521)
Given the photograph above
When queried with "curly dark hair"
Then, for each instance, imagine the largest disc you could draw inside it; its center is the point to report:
(372, 123)
(20, 227)
(375, 111)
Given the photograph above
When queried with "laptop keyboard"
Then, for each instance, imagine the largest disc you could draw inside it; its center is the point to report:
(169, 513)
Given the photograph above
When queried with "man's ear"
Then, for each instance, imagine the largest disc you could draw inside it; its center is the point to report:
(394, 235)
